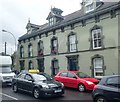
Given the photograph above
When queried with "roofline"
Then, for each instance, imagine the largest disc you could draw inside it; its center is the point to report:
(78, 19)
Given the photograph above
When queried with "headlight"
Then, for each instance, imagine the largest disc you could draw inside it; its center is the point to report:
(62, 84)
(89, 82)
(45, 86)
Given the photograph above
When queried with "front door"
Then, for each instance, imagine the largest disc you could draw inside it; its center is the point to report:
(41, 65)
(55, 67)
(73, 63)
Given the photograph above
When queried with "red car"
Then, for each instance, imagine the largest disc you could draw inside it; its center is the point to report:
(76, 79)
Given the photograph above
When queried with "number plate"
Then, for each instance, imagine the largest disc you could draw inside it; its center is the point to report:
(57, 91)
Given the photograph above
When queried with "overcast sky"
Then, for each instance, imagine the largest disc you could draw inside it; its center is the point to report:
(15, 15)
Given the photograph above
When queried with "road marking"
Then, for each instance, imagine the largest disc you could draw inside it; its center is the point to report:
(9, 96)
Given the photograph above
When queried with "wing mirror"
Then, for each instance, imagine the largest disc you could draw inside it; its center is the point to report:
(75, 77)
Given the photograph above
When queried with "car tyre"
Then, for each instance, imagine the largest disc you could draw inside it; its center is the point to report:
(100, 99)
(15, 88)
(36, 93)
(81, 88)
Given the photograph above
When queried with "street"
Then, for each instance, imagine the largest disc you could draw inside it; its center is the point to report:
(70, 94)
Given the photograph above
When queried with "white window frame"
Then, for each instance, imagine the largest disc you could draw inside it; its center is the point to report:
(97, 39)
(98, 67)
(72, 43)
(55, 43)
(88, 5)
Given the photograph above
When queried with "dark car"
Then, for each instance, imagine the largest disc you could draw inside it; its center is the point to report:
(39, 84)
(108, 90)
(76, 79)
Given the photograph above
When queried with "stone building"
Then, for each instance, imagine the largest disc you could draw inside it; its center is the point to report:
(87, 40)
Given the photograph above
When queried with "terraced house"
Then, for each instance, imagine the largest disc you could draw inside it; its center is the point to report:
(87, 40)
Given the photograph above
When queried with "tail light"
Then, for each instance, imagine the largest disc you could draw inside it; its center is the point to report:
(95, 87)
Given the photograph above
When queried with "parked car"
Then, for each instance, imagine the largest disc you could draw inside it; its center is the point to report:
(39, 84)
(108, 90)
(76, 79)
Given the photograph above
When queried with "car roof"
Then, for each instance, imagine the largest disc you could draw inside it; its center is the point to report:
(69, 71)
(116, 75)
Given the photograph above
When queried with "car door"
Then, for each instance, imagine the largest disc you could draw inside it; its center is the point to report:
(28, 83)
(63, 78)
(19, 81)
(72, 80)
(113, 88)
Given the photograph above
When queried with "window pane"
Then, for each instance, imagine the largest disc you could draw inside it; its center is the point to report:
(55, 43)
(72, 43)
(96, 38)
(63, 74)
(98, 63)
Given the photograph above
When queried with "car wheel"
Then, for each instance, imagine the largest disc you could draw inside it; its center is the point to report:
(100, 99)
(36, 93)
(15, 89)
(81, 88)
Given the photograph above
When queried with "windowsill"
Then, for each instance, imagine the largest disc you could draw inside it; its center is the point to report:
(95, 49)
(98, 77)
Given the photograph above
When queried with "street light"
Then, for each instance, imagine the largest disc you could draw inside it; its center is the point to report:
(12, 35)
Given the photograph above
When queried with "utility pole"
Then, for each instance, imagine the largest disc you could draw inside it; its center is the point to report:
(5, 47)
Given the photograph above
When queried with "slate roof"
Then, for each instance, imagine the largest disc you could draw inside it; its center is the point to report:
(72, 18)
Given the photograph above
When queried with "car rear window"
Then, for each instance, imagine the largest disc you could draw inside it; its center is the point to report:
(113, 81)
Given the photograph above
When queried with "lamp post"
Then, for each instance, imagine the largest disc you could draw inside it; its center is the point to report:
(12, 35)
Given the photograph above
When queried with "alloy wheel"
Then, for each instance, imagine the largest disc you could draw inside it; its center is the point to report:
(81, 88)
(36, 93)
(100, 99)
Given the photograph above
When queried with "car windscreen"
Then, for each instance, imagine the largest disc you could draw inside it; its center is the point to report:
(5, 69)
(41, 77)
(82, 75)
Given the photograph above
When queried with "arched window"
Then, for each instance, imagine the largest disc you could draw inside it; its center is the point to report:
(30, 50)
(30, 65)
(98, 67)
(72, 42)
(40, 48)
(96, 39)
(54, 45)
(21, 52)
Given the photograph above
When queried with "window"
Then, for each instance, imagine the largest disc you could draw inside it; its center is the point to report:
(30, 65)
(96, 39)
(40, 48)
(64, 74)
(89, 5)
(21, 76)
(54, 45)
(22, 63)
(98, 67)
(114, 81)
(72, 45)
(21, 52)
(71, 75)
(30, 50)
(51, 21)
(28, 77)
